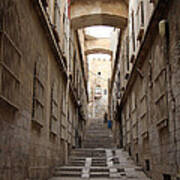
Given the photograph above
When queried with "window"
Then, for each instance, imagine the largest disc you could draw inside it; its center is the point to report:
(44, 3)
(147, 164)
(98, 90)
(57, 15)
(38, 94)
(137, 158)
(166, 177)
(105, 91)
(133, 101)
(141, 21)
(10, 64)
(133, 32)
(142, 13)
(54, 110)
(63, 111)
(127, 52)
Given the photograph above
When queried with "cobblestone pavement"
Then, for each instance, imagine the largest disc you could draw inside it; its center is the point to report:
(119, 166)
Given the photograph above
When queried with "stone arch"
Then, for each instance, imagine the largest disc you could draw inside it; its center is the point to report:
(86, 13)
(97, 45)
(98, 51)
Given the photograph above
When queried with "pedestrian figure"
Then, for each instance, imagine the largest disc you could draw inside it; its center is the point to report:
(109, 124)
(105, 117)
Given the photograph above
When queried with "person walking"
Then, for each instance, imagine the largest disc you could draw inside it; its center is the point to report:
(109, 124)
(105, 117)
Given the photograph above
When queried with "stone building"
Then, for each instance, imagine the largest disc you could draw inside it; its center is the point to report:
(145, 90)
(99, 73)
(43, 88)
(44, 76)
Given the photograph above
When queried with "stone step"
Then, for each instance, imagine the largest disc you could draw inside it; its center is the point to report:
(100, 135)
(98, 164)
(76, 163)
(101, 128)
(75, 158)
(98, 160)
(89, 150)
(92, 137)
(69, 168)
(98, 141)
(99, 174)
(97, 136)
(94, 144)
(97, 131)
(99, 169)
(83, 158)
(88, 153)
(108, 146)
(67, 173)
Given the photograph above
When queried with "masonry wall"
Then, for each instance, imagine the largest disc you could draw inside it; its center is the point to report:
(150, 111)
(34, 136)
(99, 73)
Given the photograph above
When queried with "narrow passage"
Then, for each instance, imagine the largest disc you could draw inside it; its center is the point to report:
(98, 159)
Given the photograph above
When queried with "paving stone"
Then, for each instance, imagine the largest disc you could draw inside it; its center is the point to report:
(113, 170)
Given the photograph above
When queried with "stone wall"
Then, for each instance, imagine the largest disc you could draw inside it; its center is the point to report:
(34, 136)
(150, 111)
(99, 73)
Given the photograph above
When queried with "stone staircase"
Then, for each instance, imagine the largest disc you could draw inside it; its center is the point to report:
(98, 136)
(91, 161)
(84, 163)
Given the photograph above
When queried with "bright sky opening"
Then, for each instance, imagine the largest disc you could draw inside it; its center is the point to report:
(99, 31)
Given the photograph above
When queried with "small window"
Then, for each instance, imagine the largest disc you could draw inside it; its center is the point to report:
(147, 162)
(105, 91)
(137, 158)
(99, 73)
(133, 32)
(98, 90)
(142, 13)
(166, 177)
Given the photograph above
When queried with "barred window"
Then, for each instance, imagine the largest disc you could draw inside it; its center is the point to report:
(54, 109)
(10, 64)
(38, 94)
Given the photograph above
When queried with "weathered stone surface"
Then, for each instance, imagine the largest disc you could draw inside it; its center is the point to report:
(149, 86)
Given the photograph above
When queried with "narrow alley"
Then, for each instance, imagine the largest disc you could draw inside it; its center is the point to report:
(89, 89)
(99, 159)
